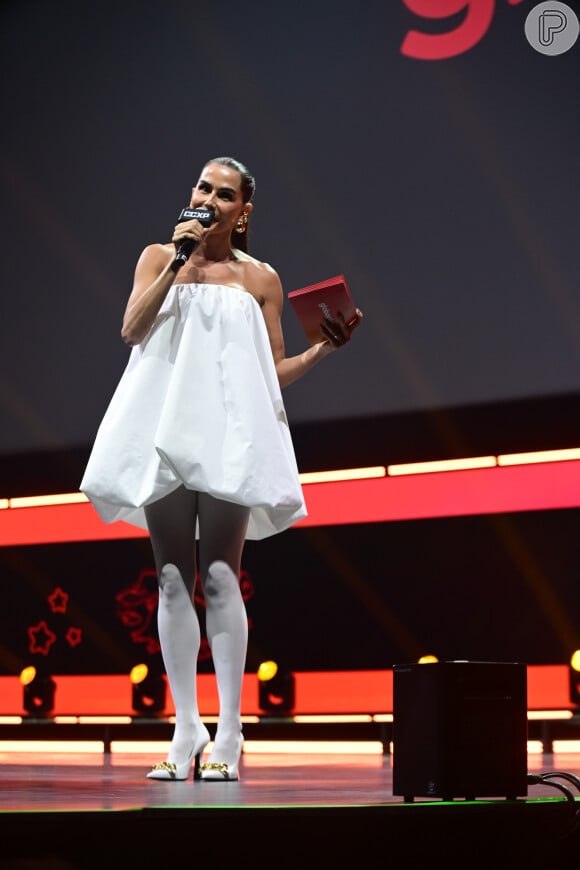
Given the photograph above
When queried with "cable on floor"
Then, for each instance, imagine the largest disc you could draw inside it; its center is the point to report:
(551, 778)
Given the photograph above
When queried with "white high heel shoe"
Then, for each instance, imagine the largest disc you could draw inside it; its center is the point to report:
(169, 770)
(221, 771)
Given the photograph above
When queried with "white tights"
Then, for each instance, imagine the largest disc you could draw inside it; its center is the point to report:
(222, 530)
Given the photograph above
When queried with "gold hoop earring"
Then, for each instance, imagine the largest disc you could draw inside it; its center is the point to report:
(242, 223)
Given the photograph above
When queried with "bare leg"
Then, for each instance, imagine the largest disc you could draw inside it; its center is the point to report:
(222, 534)
(171, 523)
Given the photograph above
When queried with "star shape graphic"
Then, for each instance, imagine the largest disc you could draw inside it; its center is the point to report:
(58, 600)
(41, 638)
(74, 636)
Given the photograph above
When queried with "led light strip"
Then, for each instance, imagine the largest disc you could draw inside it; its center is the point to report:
(252, 748)
(441, 465)
(539, 456)
(337, 475)
(47, 500)
(300, 719)
(365, 473)
(543, 480)
(342, 474)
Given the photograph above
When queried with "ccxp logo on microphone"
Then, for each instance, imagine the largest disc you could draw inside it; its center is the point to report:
(552, 28)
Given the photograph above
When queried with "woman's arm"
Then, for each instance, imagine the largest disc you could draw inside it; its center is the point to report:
(290, 369)
(154, 275)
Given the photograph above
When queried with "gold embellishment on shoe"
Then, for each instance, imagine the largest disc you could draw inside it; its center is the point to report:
(220, 766)
(168, 766)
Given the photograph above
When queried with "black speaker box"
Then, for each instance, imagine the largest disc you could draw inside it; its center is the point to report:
(460, 730)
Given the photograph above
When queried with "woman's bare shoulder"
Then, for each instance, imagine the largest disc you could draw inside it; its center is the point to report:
(258, 274)
(159, 249)
(156, 253)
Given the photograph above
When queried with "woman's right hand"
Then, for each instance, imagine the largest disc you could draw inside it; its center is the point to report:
(192, 230)
(338, 332)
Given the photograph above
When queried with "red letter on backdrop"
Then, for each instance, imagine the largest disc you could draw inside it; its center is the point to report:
(437, 46)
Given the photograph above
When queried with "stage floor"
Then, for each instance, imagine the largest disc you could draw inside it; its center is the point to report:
(287, 810)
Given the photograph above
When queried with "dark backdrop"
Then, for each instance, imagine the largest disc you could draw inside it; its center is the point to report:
(491, 588)
(446, 191)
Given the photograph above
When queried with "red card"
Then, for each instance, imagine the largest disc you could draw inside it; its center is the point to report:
(321, 301)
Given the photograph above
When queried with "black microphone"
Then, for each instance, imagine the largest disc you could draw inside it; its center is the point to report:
(187, 246)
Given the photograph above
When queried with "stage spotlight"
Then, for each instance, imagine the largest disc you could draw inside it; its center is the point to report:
(574, 674)
(38, 690)
(148, 690)
(276, 689)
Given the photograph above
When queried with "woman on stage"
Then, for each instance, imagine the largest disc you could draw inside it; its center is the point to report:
(195, 445)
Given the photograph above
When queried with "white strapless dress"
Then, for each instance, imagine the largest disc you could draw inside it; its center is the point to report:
(199, 405)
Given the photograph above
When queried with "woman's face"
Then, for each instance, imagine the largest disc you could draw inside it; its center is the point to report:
(219, 188)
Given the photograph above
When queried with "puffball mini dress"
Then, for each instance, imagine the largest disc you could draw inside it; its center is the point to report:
(199, 405)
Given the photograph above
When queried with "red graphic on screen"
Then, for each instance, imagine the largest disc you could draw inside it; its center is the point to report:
(137, 608)
(40, 638)
(58, 600)
(74, 636)
(470, 30)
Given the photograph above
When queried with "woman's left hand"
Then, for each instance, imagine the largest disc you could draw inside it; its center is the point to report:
(338, 332)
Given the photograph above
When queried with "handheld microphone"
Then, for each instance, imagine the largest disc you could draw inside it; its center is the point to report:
(187, 246)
